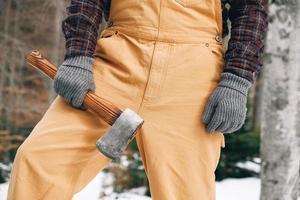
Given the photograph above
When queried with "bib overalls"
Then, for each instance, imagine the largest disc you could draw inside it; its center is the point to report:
(162, 59)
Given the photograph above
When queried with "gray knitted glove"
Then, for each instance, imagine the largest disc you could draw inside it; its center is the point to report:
(227, 106)
(74, 79)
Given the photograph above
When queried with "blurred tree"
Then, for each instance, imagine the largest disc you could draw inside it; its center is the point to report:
(8, 144)
(26, 26)
(280, 147)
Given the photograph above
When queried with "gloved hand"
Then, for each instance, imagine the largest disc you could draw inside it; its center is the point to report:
(227, 106)
(74, 78)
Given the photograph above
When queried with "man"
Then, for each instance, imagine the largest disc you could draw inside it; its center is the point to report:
(163, 59)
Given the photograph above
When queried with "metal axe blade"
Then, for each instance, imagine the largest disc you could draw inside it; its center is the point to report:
(114, 142)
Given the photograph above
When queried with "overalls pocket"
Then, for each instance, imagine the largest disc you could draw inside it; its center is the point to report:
(217, 52)
(105, 41)
(188, 3)
(106, 33)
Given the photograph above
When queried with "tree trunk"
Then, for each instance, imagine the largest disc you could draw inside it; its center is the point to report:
(25, 93)
(58, 47)
(280, 147)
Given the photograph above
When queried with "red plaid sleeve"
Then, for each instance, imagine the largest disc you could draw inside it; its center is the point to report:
(248, 28)
(81, 25)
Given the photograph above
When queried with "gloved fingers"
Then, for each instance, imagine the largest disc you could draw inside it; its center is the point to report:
(216, 120)
(61, 90)
(213, 125)
(56, 83)
(72, 93)
(92, 88)
(228, 127)
(236, 126)
(223, 126)
(78, 97)
(233, 115)
(238, 121)
(229, 113)
(72, 83)
(239, 126)
(77, 102)
(208, 111)
(60, 83)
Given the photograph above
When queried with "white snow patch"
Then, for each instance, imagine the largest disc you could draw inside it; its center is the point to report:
(96, 187)
(237, 189)
(228, 189)
(101, 188)
(3, 191)
(252, 166)
(5, 167)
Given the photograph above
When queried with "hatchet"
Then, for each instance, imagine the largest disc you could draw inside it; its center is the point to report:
(124, 124)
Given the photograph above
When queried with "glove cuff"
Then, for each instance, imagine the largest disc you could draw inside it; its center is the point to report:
(83, 62)
(235, 82)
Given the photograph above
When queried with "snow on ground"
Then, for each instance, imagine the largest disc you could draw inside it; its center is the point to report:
(237, 189)
(250, 165)
(3, 191)
(100, 188)
(228, 189)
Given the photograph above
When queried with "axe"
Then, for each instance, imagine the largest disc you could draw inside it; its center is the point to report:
(124, 124)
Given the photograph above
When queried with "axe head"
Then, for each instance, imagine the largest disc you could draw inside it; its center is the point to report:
(115, 141)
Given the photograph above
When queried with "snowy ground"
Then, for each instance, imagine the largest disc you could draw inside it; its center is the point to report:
(229, 189)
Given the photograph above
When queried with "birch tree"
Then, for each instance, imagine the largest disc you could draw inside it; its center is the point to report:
(280, 136)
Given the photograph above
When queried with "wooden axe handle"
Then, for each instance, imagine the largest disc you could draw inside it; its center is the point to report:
(106, 110)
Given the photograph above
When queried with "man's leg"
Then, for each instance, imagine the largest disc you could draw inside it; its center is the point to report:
(59, 156)
(179, 155)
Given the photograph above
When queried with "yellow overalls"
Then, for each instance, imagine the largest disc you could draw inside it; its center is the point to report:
(160, 58)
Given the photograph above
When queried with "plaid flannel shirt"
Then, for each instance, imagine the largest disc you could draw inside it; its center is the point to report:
(245, 48)
(81, 25)
(249, 21)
